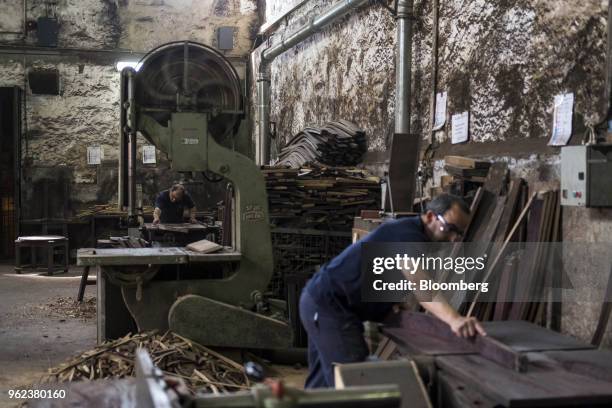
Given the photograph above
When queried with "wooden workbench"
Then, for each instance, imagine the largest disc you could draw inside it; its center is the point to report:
(518, 364)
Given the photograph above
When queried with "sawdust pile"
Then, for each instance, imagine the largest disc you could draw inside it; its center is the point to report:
(63, 307)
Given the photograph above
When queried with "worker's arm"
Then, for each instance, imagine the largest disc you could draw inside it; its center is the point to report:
(436, 304)
(191, 208)
(156, 215)
(192, 217)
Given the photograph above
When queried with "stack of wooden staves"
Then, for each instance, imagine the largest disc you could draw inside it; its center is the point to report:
(122, 242)
(466, 168)
(199, 367)
(505, 213)
(319, 197)
(464, 174)
(339, 143)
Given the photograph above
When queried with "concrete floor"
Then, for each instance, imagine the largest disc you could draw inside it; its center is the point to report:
(33, 339)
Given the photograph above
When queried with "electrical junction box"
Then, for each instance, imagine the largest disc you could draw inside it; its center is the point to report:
(48, 29)
(586, 175)
(225, 38)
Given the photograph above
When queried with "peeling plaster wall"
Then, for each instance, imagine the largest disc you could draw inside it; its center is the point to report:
(93, 36)
(502, 61)
(149, 23)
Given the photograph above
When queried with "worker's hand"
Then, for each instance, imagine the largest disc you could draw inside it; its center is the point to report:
(467, 327)
(155, 221)
(193, 220)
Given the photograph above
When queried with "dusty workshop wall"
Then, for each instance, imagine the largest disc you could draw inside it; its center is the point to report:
(93, 35)
(149, 23)
(502, 61)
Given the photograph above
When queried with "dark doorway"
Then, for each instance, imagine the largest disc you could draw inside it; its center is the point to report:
(10, 120)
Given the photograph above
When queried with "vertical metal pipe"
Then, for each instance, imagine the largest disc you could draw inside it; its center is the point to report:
(121, 177)
(263, 113)
(434, 70)
(403, 66)
(608, 91)
(131, 159)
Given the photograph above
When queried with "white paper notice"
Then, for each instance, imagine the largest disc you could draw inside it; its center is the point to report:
(148, 154)
(562, 119)
(94, 155)
(440, 117)
(461, 124)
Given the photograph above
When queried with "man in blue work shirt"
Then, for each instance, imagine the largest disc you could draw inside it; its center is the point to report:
(331, 309)
(173, 205)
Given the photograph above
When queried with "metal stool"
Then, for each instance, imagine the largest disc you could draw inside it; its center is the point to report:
(48, 242)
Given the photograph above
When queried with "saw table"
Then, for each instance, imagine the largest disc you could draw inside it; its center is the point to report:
(179, 234)
(518, 364)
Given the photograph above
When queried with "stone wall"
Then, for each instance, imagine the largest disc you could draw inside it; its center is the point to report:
(502, 61)
(93, 36)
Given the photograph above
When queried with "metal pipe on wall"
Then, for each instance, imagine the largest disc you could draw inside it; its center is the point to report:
(262, 148)
(434, 71)
(122, 176)
(607, 111)
(131, 150)
(315, 24)
(403, 86)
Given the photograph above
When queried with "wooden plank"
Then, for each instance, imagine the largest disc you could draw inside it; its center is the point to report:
(506, 288)
(417, 344)
(420, 324)
(204, 246)
(467, 162)
(528, 260)
(592, 363)
(523, 336)
(491, 267)
(506, 341)
(508, 218)
(604, 314)
(536, 387)
(496, 179)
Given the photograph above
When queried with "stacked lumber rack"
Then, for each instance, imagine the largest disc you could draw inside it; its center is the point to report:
(339, 143)
(505, 212)
(313, 197)
(518, 364)
(200, 368)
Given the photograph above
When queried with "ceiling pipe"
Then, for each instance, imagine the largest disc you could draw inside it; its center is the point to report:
(315, 24)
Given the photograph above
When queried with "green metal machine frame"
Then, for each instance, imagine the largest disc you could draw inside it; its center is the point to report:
(212, 311)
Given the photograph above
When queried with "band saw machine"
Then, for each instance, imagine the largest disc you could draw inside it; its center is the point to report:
(186, 99)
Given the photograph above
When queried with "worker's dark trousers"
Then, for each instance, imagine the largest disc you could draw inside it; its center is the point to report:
(334, 336)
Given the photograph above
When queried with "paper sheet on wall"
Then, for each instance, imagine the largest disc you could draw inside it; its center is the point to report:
(440, 116)
(460, 124)
(562, 119)
(94, 155)
(148, 154)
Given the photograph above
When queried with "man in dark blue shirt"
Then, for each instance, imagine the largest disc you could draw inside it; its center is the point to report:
(173, 205)
(331, 309)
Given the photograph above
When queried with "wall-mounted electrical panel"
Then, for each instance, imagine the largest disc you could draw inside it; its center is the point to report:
(586, 175)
